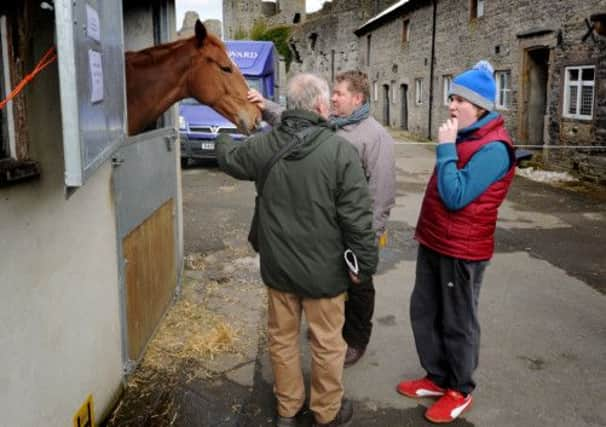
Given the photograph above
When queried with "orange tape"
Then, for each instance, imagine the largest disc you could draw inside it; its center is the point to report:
(48, 57)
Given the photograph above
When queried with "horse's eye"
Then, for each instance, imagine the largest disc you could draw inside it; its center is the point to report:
(227, 69)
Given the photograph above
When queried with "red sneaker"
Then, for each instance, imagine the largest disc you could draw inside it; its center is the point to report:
(423, 387)
(448, 407)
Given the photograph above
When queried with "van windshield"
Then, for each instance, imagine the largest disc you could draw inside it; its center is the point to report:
(252, 84)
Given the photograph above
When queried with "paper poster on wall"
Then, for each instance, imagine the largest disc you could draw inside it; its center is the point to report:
(96, 76)
(93, 29)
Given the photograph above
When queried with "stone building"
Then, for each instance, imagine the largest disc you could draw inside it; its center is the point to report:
(550, 69)
(239, 16)
(189, 22)
(324, 43)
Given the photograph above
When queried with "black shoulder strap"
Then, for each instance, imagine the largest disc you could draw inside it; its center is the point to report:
(297, 138)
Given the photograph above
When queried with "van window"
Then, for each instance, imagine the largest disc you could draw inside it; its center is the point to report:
(254, 84)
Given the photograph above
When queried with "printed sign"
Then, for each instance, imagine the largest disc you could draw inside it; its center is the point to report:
(93, 29)
(96, 76)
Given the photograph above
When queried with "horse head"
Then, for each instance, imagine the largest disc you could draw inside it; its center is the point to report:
(215, 80)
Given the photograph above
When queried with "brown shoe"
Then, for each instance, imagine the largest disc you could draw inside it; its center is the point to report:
(343, 418)
(353, 355)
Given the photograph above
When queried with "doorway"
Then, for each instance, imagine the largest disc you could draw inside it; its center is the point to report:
(386, 105)
(534, 114)
(404, 107)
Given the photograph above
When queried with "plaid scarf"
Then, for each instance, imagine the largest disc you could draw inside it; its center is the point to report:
(356, 116)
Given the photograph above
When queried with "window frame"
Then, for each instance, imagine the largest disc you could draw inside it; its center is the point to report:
(8, 146)
(477, 9)
(7, 124)
(16, 164)
(499, 104)
(419, 91)
(375, 91)
(580, 83)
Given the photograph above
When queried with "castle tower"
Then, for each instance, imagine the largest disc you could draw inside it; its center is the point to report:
(239, 16)
(288, 9)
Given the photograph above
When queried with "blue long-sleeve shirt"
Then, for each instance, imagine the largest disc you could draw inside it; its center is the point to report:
(460, 187)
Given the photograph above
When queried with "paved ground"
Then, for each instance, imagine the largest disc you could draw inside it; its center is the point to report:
(542, 311)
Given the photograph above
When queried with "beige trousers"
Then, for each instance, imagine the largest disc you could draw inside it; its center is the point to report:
(325, 318)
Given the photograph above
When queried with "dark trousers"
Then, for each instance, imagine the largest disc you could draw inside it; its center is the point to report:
(444, 317)
(359, 308)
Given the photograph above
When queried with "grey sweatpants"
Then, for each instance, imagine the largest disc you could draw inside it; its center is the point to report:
(444, 317)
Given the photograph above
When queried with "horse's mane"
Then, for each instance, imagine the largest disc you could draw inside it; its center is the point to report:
(159, 53)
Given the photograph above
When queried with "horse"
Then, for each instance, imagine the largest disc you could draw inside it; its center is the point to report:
(197, 67)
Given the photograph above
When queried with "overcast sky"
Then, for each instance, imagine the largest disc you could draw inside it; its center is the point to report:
(213, 9)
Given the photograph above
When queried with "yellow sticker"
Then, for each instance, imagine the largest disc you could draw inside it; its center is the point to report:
(85, 417)
(383, 240)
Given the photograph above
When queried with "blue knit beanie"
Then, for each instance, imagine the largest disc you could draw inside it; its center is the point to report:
(476, 85)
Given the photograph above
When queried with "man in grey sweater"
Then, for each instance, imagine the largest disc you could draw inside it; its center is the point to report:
(351, 120)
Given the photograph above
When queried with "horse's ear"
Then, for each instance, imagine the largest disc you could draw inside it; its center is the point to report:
(200, 32)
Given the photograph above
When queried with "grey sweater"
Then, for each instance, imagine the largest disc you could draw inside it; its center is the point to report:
(376, 149)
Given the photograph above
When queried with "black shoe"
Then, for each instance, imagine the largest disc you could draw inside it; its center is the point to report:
(353, 355)
(343, 417)
(286, 421)
(291, 421)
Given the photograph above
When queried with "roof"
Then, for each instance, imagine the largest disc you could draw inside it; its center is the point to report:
(254, 58)
(381, 17)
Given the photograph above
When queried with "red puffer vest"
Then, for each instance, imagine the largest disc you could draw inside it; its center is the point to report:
(467, 233)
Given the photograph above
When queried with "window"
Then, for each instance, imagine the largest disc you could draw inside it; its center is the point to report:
(446, 82)
(419, 91)
(503, 89)
(405, 31)
(313, 38)
(368, 50)
(15, 161)
(375, 91)
(476, 9)
(579, 92)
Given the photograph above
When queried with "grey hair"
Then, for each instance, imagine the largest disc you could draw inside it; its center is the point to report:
(306, 90)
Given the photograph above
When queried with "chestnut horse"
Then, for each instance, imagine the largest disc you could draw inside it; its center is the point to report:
(197, 67)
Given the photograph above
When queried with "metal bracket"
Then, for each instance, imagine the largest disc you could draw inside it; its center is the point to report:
(117, 160)
(169, 142)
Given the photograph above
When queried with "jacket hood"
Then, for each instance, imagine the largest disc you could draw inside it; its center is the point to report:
(296, 121)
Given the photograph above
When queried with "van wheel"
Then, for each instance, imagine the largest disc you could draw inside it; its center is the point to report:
(184, 162)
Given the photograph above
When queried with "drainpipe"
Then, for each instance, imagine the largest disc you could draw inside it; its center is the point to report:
(431, 66)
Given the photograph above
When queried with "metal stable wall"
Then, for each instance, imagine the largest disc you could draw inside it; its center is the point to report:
(91, 70)
(146, 200)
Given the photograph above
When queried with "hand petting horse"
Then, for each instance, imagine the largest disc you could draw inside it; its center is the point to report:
(197, 67)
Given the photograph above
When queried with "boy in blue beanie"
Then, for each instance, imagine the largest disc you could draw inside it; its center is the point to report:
(474, 168)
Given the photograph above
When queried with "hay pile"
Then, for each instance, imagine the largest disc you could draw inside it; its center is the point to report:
(191, 331)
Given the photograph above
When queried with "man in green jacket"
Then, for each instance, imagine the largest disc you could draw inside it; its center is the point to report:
(352, 120)
(315, 205)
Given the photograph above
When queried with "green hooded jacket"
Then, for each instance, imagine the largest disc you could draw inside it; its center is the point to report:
(315, 205)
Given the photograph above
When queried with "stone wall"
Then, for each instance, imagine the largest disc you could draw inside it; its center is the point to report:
(188, 27)
(286, 11)
(511, 35)
(239, 16)
(325, 44)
